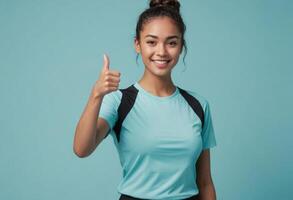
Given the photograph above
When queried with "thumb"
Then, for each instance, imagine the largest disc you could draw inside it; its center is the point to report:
(106, 62)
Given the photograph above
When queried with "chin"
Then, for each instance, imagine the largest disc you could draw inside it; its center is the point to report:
(160, 72)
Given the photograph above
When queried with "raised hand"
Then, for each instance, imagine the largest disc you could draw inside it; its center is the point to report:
(108, 80)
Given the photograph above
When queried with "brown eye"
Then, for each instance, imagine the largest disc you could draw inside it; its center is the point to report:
(173, 43)
(150, 42)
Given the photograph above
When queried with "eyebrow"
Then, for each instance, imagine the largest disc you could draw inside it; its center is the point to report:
(168, 38)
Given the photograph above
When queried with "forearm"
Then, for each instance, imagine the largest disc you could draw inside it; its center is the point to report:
(207, 192)
(85, 134)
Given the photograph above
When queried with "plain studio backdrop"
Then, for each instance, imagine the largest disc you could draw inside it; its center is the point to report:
(51, 53)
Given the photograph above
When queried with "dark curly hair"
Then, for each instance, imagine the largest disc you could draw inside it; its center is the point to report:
(159, 8)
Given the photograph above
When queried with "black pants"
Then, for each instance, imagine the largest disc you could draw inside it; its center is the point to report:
(126, 197)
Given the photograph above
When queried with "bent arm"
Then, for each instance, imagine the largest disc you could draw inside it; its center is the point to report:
(90, 130)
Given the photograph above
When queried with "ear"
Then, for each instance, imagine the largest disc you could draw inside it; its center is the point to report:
(136, 45)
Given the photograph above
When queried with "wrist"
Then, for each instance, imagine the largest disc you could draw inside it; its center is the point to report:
(96, 98)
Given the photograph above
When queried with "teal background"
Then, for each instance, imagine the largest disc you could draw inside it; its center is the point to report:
(239, 57)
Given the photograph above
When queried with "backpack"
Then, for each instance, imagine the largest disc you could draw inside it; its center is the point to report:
(128, 99)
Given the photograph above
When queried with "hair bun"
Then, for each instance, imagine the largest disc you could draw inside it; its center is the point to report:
(171, 3)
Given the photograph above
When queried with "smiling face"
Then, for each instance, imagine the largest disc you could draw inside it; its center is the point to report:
(160, 46)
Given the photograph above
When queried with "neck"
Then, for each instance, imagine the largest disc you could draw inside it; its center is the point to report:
(158, 86)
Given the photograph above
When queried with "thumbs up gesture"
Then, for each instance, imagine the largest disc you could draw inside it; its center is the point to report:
(108, 80)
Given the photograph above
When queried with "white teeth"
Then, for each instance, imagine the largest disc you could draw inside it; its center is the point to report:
(161, 61)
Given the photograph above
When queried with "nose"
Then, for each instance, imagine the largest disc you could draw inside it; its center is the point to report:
(161, 50)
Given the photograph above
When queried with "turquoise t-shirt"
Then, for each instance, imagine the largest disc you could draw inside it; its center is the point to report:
(160, 141)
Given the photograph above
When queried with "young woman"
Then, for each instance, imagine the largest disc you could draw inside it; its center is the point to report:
(162, 132)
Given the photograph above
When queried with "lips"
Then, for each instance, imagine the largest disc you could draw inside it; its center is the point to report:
(161, 63)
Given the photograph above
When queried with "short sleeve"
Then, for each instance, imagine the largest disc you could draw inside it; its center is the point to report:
(208, 134)
(108, 109)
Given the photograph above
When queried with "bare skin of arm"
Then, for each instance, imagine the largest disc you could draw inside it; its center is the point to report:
(91, 129)
(204, 180)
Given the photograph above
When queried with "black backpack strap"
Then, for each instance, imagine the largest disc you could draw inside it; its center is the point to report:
(127, 101)
(194, 103)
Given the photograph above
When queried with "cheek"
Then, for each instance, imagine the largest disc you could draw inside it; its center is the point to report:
(147, 53)
(175, 53)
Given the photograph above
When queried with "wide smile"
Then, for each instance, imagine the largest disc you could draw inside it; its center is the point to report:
(161, 63)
